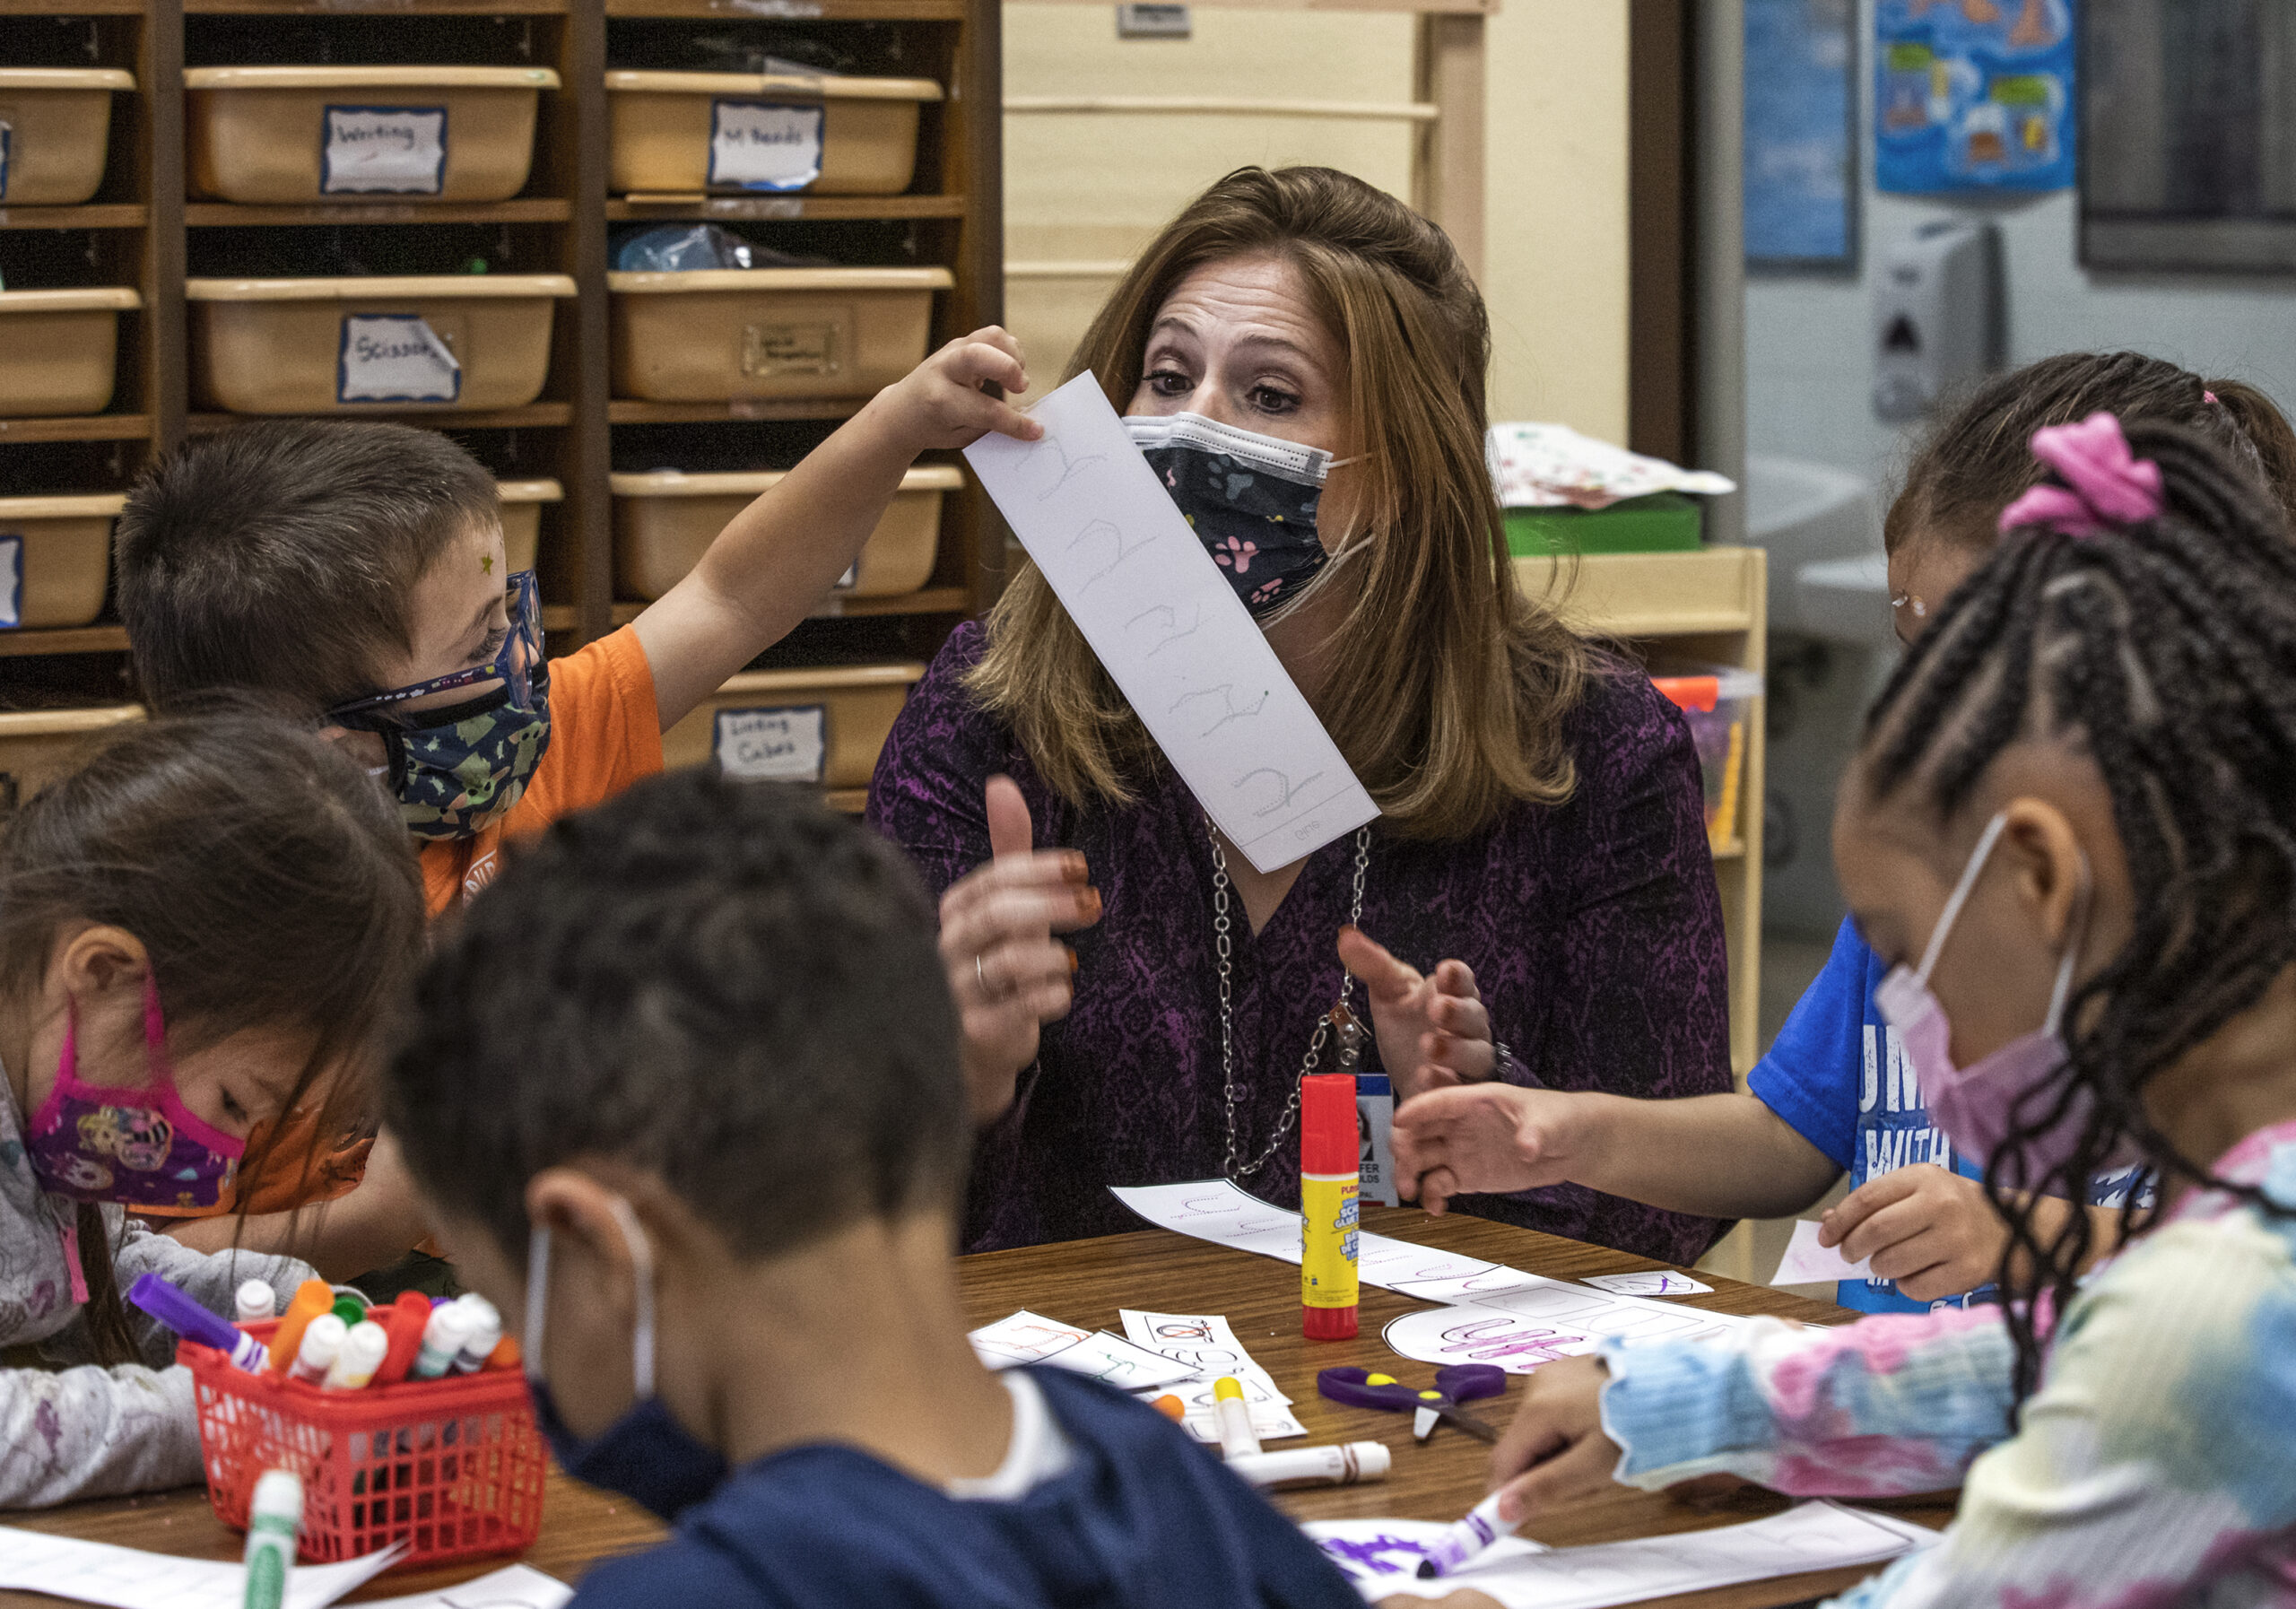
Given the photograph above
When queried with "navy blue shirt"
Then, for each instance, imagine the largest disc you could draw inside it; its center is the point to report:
(1143, 1516)
(1839, 1077)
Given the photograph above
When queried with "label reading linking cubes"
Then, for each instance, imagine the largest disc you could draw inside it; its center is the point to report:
(395, 357)
(1329, 1209)
(789, 744)
(383, 149)
(12, 582)
(765, 144)
(776, 349)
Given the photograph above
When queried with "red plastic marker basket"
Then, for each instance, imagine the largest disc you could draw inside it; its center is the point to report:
(452, 1467)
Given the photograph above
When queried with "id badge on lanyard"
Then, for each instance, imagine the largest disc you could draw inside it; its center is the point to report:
(1375, 1117)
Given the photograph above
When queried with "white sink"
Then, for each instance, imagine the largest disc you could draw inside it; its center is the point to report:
(1846, 601)
(1806, 513)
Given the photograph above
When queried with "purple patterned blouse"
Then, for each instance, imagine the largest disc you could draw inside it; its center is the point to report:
(1593, 928)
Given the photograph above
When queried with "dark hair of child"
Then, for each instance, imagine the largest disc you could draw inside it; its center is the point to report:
(280, 556)
(2163, 650)
(1980, 460)
(723, 983)
(271, 883)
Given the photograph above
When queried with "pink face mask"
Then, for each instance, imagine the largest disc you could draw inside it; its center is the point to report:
(1975, 1105)
(141, 1148)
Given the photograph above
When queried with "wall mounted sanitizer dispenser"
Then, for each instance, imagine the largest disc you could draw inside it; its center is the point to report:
(1938, 318)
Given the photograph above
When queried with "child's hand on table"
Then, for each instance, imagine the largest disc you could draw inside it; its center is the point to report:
(1433, 1031)
(1555, 1451)
(1009, 974)
(1485, 1137)
(1931, 1231)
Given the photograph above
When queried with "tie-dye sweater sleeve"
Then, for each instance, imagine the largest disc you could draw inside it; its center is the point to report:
(2156, 1464)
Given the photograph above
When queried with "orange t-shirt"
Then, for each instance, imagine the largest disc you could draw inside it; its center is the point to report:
(605, 733)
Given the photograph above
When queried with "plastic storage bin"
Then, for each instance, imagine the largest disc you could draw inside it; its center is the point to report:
(39, 745)
(281, 135)
(55, 554)
(713, 334)
(60, 350)
(58, 133)
(452, 1467)
(522, 503)
(665, 519)
(681, 133)
(352, 345)
(1717, 700)
(823, 727)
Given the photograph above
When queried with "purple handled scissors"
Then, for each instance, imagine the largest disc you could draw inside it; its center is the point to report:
(1461, 1382)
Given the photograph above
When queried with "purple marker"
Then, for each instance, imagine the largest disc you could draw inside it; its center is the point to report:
(184, 1316)
(1481, 1528)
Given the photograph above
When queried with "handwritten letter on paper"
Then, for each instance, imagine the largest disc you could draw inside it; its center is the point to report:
(1169, 627)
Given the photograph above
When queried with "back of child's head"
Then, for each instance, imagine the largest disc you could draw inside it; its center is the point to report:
(2163, 650)
(722, 984)
(281, 556)
(1979, 461)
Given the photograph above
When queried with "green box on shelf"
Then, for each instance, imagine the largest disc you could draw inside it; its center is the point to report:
(1664, 522)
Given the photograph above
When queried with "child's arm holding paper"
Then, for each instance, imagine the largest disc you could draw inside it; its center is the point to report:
(772, 567)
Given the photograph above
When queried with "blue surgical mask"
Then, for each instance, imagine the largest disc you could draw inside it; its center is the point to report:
(1251, 498)
(457, 771)
(646, 1455)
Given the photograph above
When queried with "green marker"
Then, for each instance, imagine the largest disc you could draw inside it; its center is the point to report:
(273, 1517)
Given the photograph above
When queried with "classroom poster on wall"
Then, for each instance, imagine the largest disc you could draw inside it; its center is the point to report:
(1801, 149)
(1973, 95)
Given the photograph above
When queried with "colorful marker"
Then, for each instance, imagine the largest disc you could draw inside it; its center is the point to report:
(184, 1316)
(254, 1302)
(485, 1333)
(322, 1339)
(406, 1321)
(312, 1298)
(1172, 1407)
(1481, 1528)
(274, 1515)
(506, 1353)
(442, 1341)
(348, 1310)
(1233, 1415)
(361, 1353)
(1342, 1466)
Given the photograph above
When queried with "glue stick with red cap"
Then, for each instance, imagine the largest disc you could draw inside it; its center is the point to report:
(1330, 1177)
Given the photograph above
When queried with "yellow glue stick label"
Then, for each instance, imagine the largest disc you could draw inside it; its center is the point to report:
(1328, 1212)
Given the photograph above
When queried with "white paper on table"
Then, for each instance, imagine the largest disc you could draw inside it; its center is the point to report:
(513, 1586)
(1171, 632)
(1382, 1557)
(1206, 1344)
(1220, 1211)
(1807, 1262)
(128, 1577)
(1650, 1282)
(1028, 1337)
(1541, 1319)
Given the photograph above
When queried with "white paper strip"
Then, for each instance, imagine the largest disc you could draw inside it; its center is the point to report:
(1206, 1344)
(128, 1577)
(1171, 630)
(1028, 1337)
(513, 1586)
(1654, 1281)
(1539, 1320)
(1807, 1262)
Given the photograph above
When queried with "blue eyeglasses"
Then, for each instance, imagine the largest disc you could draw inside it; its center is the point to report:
(518, 666)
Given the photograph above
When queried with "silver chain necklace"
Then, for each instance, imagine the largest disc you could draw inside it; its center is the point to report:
(1350, 1032)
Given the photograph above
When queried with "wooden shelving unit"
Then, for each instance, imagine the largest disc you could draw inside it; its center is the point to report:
(144, 232)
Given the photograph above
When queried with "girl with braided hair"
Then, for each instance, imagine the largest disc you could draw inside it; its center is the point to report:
(1833, 1095)
(2071, 833)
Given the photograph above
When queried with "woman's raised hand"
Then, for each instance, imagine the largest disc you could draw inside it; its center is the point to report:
(1009, 974)
(1433, 1031)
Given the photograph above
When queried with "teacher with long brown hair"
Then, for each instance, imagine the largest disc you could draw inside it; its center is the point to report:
(1540, 811)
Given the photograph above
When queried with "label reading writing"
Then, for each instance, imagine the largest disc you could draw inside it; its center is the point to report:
(383, 149)
(12, 582)
(395, 357)
(788, 744)
(765, 144)
(774, 348)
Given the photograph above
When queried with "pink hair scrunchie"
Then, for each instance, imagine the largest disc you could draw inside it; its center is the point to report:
(2105, 484)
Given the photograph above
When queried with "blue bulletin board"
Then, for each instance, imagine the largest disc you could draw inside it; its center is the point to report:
(1801, 127)
(1973, 95)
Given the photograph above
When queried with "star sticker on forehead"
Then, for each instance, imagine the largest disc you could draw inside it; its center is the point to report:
(486, 564)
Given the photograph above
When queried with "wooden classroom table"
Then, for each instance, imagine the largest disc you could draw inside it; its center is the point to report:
(1084, 1283)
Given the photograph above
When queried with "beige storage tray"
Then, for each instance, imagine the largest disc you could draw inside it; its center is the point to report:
(59, 349)
(59, 132)
(55, 554)
(681, 133)
(38, 745)
(716, 334)
(823, 727)
(522, 503)
(358, 346)
(301, 134)
(663, 520)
